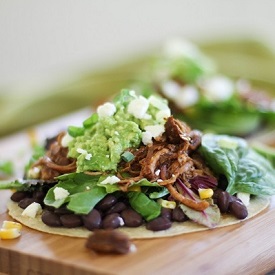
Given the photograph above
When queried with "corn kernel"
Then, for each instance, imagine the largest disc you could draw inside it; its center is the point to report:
(205, 193)
(167, 204)
(134, 188)
(11, 224)
(8, 234)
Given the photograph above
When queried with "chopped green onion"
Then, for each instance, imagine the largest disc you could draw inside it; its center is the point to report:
(75, 131)
(127, 156)
(90, 121)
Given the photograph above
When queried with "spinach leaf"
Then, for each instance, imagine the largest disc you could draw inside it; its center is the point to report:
(109, 188)
(152, 189)
(84, 202)
(83, 190)
(245, 170)
(147, 208)
(7, 184)
(79, 178)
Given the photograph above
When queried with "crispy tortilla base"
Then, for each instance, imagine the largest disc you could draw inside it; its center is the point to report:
(257, 205)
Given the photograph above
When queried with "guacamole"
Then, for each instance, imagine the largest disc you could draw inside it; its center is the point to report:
(125, 123)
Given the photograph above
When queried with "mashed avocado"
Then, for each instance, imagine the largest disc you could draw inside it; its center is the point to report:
(125, 123)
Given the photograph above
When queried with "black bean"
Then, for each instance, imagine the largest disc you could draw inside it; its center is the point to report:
(109, 241)
(234, 198)
(71, 220)
(107, 202)
(238, 209)
(92, 220)
(49, 208)
(223, 201)
(131, 218)
(216, 195)
(26, 202)
(19, 195)
(62, 211)
(51, 219)
(39, 196)
(112, 221)
(166, 213)
(178, 215)
(159, 223)
(117, 208)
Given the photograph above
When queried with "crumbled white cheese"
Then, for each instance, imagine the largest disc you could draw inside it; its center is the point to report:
(163, 114)
(66, 140)
(106, 110)
(171, 89)
(244, 197)
(138, 107)
(34, 172)
(32, 210)
(157, 102)
(151, 131)
(155, 130)
(111, 180)
(88, 156)
(146, 137)
(157, 172)
(81, 151)
(60, 193)
(218, 88)
(187, 96)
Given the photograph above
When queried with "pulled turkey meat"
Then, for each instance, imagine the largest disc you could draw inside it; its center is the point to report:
(170, 158)
(55, 162)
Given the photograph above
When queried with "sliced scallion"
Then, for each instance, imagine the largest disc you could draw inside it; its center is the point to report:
(127, 156)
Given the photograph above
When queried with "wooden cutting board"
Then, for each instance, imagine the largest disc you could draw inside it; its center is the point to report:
(245, 248)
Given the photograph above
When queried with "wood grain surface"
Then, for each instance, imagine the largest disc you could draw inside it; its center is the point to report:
(245, 248)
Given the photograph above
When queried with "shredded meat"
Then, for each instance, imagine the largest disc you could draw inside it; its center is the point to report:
(177, 131)
(56, 161)
(168, 159)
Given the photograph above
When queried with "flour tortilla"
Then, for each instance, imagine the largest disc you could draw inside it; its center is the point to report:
(257, 205)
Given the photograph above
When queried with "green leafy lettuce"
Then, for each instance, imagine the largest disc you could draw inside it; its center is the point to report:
(84, 194)
(245, 170)
(146, 207)
(85, 191)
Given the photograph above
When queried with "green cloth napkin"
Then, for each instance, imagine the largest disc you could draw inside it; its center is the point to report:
(249, 59)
